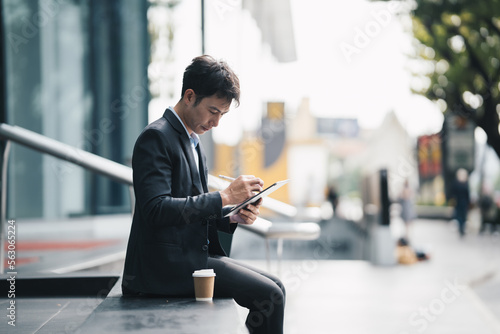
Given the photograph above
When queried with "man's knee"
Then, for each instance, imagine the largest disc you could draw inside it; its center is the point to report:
(278, 295)
(282, 288)
(273, 299)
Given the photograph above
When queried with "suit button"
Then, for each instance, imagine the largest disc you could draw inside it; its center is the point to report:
(204, 248)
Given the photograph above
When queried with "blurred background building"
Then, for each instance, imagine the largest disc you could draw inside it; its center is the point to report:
(76, 71)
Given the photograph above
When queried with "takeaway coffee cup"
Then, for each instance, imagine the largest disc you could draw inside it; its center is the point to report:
(204, 285)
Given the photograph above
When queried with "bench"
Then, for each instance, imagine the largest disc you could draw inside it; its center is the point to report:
(85, 303)
(118, 314)
(282, 231)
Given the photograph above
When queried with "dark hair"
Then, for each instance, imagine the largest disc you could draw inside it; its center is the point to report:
(207, 76)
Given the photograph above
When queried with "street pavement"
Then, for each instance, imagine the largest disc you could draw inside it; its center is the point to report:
(456, 291)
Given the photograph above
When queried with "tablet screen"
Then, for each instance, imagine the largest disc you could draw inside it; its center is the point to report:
(256, 197)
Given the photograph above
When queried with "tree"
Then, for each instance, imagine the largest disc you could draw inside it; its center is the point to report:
(460, 39)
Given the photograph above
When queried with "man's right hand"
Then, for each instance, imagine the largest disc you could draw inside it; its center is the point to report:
(241, 189)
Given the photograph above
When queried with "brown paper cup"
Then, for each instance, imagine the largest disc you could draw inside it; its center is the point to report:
(204, 285)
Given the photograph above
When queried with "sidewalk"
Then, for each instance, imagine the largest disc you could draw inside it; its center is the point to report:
(457, 291)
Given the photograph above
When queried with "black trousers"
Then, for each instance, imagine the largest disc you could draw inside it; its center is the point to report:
(263, 294)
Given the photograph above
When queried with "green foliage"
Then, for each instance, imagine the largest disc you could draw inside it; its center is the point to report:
(460, 41)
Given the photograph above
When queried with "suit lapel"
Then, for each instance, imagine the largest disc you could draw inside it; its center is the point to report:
(188, 152)
(186, 148)
(203, 167)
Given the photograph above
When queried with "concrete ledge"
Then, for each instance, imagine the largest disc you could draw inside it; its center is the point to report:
(118, 314)
(70, 286)
(49, 304)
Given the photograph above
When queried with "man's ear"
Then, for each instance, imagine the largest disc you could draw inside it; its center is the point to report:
(189, 96)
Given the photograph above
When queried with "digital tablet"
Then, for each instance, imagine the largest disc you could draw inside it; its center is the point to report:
(256, 197)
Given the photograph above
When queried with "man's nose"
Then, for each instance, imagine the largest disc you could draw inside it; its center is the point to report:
(215, 121)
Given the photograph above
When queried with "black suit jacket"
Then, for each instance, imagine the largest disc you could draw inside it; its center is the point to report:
(176, 219)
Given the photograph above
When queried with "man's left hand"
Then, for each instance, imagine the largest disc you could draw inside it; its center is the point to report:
(248, 214)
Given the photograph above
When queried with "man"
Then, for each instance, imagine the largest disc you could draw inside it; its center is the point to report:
(176, 219)
(460, 194)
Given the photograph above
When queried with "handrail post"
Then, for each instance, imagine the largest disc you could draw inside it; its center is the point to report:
(4, 150)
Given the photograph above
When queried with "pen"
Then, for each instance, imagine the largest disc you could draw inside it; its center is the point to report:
(227, 177)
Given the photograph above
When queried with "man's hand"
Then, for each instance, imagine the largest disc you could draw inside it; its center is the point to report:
(248, 214)
(241, 189)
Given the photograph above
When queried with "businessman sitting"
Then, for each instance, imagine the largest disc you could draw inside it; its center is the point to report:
(176, 219)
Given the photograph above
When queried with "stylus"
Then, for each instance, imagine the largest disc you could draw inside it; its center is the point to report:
(227, 177)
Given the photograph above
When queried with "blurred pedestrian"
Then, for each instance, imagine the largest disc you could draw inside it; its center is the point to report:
(333, 198)
(495, 225)
(460, 194)
(407, 209)
(487, 207)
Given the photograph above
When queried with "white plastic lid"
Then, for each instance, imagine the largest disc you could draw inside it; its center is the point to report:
(204, 273)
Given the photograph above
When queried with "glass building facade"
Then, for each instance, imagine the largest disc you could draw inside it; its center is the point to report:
(75, 71)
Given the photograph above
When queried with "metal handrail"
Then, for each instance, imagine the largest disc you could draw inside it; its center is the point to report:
(106, 167)
(87, 160)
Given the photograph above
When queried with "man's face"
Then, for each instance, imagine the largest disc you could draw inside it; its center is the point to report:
(205, 115)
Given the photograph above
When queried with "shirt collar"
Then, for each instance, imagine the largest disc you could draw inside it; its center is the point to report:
(193, 137)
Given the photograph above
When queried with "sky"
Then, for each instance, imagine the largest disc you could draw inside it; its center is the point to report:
(353, 62)
(358, 54)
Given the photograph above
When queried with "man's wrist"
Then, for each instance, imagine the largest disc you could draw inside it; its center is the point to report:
(225, 198)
